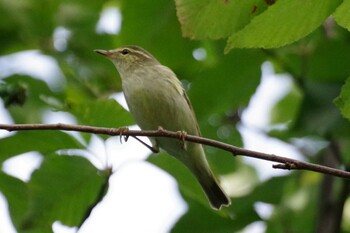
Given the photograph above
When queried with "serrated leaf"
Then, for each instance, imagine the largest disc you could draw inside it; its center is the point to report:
(215, 19)
(283, 23)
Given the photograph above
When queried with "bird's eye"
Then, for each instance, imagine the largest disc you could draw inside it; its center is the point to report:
(125, 51)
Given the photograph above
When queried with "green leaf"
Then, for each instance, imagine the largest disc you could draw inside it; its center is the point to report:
(42, 141)
(104, 113)
(299, 197)
(341, 15)
(219, 92)
(34, 105)
(271, 191)
(287, 108)
(63, 189)
(164, 41)
(343, 100)
(16, 193)
(317, 115)
(212, 19)
(329, 61)
(283, 23)
(13, 94)
(228, 85)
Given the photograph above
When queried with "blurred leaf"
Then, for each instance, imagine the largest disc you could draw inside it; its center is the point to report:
(228, 85)
(318, 115)
(343, 100)
(42, 141)
(14, 17)
(204, 220)
(62, 189)
(329, 61)
(198, 203)
(34, 105)
(106, 113)
(282, 23)
(158, 32)
(271, 191)
(234, 218)
(218, 93)
(13, 94)
(299, 199)
(16, 193)
(287, 108)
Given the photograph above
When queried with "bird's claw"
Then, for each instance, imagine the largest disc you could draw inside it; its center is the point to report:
(123, 131)
(182, 135)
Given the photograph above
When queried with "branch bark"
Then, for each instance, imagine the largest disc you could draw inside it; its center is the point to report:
(283, 162)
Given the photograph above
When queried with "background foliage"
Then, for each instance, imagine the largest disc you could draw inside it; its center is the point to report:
(307, 39)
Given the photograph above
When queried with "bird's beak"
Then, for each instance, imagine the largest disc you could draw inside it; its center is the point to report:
(105, 53)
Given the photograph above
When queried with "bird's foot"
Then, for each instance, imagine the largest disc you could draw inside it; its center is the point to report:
(182, 135)
(123, 131)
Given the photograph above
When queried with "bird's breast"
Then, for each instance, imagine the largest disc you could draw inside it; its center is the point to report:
(155, 102)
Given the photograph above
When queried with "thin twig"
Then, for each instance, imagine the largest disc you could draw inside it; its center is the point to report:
(283, 162)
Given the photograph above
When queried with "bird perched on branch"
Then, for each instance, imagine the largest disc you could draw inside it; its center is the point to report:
(156, 99)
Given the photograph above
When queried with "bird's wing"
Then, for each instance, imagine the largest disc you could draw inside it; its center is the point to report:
(180, 89)
(184, 94)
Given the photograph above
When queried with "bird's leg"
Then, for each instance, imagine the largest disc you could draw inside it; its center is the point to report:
(153, 149)
(122, 132)
(182, 135)
(126, 137)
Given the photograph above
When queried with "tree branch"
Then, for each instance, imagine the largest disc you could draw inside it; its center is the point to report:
(283, 162)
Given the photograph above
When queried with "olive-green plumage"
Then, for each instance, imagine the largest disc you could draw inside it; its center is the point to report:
(156, 99)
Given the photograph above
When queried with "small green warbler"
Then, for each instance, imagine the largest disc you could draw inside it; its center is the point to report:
(156, 99)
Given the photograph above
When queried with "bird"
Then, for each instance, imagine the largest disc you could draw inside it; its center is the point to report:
(157, 99)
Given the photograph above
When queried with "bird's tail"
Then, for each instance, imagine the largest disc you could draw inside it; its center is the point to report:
(206, 178)
(216, 196)
(213, 191)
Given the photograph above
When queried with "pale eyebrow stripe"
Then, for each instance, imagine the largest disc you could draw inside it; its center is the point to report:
(142, 54)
